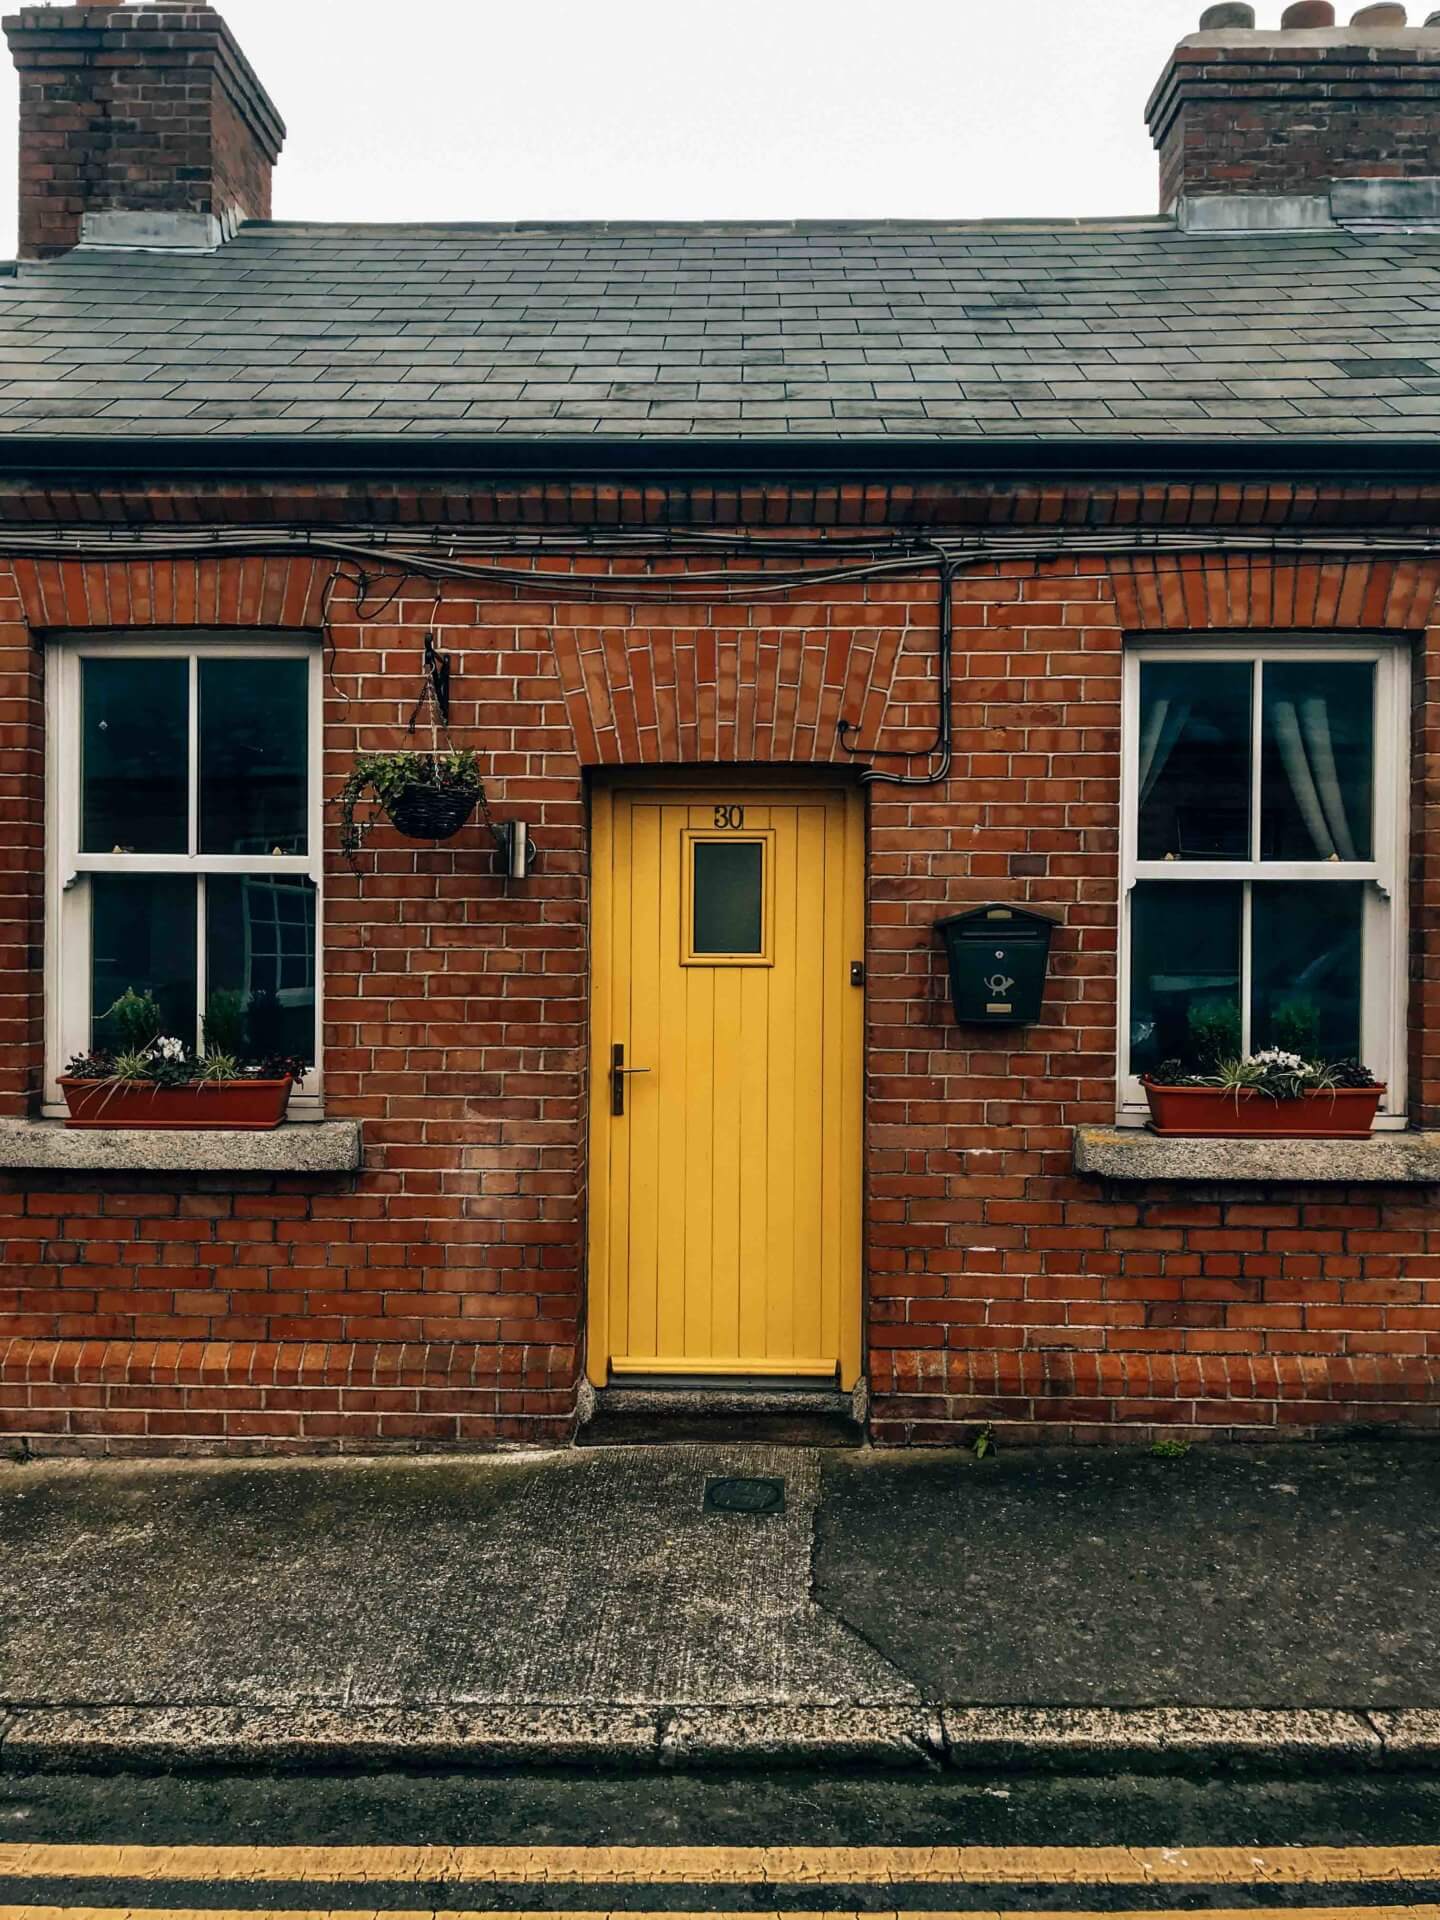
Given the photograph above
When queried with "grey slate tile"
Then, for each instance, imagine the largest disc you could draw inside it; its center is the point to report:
(862, 329)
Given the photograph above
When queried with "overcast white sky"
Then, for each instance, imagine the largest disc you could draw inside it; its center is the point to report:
(670, 109)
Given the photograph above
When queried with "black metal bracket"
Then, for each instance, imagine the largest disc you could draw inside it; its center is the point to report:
(437, 678)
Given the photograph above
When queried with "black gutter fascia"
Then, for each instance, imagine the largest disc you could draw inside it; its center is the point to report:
(144, 459)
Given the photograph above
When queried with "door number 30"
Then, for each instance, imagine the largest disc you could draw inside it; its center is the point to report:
(731, 817)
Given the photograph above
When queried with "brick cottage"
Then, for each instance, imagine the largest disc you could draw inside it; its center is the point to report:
(796, 587)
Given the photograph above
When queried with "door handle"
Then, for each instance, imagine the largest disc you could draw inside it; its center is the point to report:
(619, 1074)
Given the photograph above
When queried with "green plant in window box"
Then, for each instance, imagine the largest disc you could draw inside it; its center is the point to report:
(1272, 1093)
(1213, 1030)
(425, 796)
(226, 1023)
(1295, 1027)
(136, 1021)
(162, 1083)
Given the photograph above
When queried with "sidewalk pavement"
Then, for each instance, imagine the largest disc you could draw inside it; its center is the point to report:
(1238, 1606)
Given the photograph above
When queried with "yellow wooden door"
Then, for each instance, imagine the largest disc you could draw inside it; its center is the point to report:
(725, 1199)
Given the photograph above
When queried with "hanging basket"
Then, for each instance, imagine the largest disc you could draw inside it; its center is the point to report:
(431, 813)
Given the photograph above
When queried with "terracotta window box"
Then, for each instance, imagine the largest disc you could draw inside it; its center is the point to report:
(219, 1106)
(1219, 1113)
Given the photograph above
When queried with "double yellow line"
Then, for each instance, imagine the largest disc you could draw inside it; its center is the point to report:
(512, 1913)
(706, 1867)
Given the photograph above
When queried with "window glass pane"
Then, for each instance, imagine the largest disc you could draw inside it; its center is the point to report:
(1306, 943)
(260, 964)
(142, 935)
(729, 896)
(1185, 975)
(254, 742)
(1318, 760)
(1195, 760)
(134, 756)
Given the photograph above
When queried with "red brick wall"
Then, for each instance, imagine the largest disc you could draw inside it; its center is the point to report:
(1286, 117)
(439, 1299)
(1002, 1285)
(22, 868)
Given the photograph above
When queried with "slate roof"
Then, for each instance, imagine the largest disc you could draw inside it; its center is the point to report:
(1120, 330)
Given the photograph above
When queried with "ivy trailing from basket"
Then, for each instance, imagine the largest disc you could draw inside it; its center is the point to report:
(425, 796)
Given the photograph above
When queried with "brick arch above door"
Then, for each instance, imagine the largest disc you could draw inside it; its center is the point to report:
(651, 695)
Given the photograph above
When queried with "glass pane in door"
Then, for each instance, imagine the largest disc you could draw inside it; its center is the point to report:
(729, 891)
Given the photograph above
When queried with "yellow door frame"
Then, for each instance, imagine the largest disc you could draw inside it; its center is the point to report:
(607, 1171)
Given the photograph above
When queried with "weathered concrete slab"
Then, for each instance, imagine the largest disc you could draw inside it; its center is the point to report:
(573, 1579)
(182, 1739)
(803, 1736)
(1045, 1610)
(1145, 1740)
(1280, 1577)
(1410, 1738)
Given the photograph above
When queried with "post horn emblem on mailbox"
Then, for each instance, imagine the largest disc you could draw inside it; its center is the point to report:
(999, 956)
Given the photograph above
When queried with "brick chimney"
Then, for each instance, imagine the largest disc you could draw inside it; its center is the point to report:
(1310, 124)
(140, 126)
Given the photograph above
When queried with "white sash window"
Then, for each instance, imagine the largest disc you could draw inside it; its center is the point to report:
(1263, 857)
(184, 841)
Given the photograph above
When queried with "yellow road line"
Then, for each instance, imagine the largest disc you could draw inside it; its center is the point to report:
(732, 1866)
(432, 1913)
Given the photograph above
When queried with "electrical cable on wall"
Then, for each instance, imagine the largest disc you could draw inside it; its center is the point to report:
(369, 556)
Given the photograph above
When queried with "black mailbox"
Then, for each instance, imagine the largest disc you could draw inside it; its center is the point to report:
(998, 958)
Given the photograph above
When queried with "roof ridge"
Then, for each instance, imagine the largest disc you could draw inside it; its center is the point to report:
(760, 226)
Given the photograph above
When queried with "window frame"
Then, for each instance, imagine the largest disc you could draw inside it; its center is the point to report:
(67, 903)
(1385, 978)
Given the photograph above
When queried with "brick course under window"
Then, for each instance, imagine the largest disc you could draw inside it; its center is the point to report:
(439, 1299)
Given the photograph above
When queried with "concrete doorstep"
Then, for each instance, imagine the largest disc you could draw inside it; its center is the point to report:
(984, 1740)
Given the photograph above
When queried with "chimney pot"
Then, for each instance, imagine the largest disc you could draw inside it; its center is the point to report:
(1308, 13)
(1230, 14)
(166, 135)
(1387, 15)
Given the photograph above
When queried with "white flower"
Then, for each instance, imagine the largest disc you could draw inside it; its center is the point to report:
(169, 1049)
(1273, 1057)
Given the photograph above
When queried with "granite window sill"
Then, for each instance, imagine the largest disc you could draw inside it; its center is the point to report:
(1134, 1153)
(325, 1146)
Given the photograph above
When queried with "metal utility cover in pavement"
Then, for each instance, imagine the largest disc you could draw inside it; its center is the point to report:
(744, 1496)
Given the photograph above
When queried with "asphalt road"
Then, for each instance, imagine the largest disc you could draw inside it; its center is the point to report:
(1162, 1823)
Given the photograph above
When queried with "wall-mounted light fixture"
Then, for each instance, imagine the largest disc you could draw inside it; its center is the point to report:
(517, 849)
